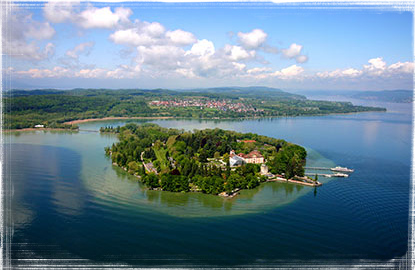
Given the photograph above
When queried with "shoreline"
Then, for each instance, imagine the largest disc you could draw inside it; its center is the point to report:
(79, 121)
(39, 129)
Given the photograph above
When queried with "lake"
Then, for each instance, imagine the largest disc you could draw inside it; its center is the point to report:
(71, 206)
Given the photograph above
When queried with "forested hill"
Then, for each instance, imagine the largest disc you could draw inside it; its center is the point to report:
(52, 108)
(250, 91)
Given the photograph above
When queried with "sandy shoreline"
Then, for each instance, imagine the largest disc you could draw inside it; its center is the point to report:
(39, 129)
(115, 118)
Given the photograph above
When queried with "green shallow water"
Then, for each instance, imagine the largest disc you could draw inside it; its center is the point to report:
(110, 185)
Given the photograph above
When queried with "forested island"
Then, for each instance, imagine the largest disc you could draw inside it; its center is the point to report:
(55, 108)
(212, 161)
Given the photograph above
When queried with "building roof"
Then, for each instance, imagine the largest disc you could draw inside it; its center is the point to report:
(254, 154)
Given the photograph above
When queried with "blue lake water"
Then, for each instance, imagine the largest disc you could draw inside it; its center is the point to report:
(70, 205)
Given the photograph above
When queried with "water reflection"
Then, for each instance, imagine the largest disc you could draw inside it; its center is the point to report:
(88, 168)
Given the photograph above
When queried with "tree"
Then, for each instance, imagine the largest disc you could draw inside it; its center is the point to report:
(133, 166)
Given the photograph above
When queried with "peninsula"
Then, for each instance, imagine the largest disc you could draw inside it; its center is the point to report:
(65, 109)
(212, 161)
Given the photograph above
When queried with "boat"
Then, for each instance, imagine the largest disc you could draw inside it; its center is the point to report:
(341, 169)
(340, 175)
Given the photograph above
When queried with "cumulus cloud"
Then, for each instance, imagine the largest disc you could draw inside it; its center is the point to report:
(103, 17)
(79, 49)
(289, 72)
(253, 39)
(58, 12)
(376, 68)
(180, 37)
(294, 51)
(22, 34)
(90, 17)
(202, 47)
(143, 34)
(237, 53)
(154, 33)
(56, 72)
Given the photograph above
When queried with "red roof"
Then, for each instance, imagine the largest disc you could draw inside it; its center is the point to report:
(249, 141)
(254, 154)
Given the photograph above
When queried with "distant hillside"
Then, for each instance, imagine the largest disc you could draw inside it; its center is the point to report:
(249, 91)
(255, 92)
(398, 96)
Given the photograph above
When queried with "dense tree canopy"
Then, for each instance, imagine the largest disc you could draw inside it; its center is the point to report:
(199, 160)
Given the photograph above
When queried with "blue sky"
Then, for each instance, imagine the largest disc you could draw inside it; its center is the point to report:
(151, 45)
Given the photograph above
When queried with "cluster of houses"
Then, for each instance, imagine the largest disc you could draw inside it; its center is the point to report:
(207, 103)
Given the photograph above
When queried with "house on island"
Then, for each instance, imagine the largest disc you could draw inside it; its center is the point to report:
(254, 157)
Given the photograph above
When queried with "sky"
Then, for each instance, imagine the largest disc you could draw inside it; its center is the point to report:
(186, 45)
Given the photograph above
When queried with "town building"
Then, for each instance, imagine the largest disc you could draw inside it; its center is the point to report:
(254, 157)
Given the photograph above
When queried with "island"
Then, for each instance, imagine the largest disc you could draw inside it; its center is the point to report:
(66, 108)
(212, 161)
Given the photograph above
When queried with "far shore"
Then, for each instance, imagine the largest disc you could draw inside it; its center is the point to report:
(79, 121)
(115, 118)
(223, 118)
(39, 129)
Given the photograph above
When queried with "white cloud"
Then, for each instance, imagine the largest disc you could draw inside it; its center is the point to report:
(39, 30)
(376, 69)
(90, 17)
(103, 17)
(161, 56)
(146, 34)
(290, 71)
(45, 73)
(258, 70)
(237, 53)
(293, 51)
(91, 73)
(406, 67)
(202, 47)
(180, 37)
(301, 59)
(22, 34)
(81, 48)
(253, 39)
(58, 12)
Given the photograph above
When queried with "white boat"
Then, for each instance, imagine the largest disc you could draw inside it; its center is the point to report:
(341, 169)
(340, 175)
